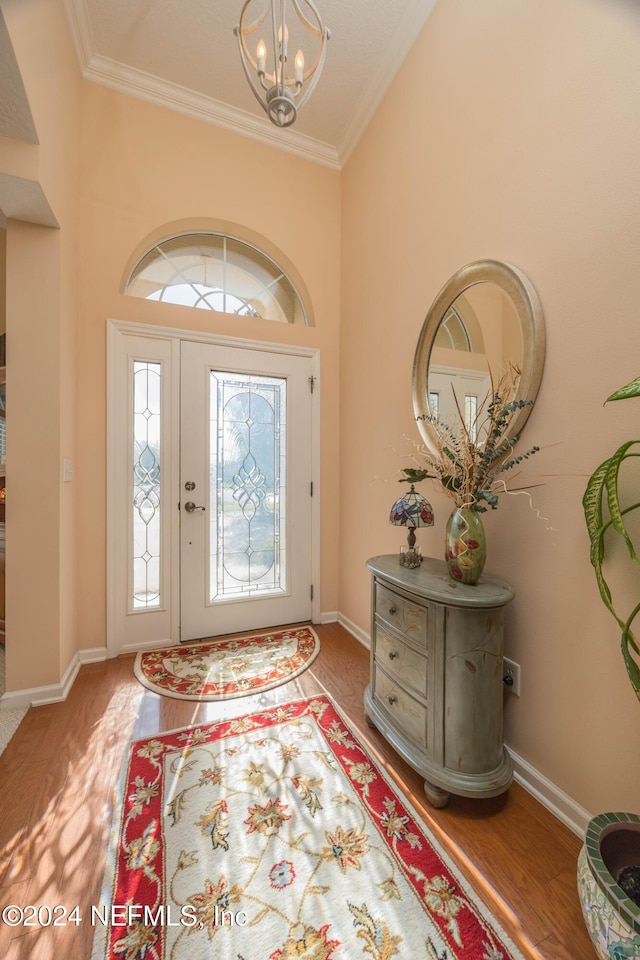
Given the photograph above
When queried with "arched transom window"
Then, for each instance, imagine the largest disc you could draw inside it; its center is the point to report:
(214, 271)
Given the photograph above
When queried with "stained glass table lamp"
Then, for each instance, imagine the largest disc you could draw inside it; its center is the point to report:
(411, 511)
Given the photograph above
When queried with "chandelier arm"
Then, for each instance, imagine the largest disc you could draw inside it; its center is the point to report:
(274, 43)
(248, 74)
(256, 24)
(243, 31)
(317, 29)
(314, 74)
(318, 62)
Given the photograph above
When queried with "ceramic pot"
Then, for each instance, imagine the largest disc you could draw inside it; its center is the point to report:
(465, 546)
(612, 842)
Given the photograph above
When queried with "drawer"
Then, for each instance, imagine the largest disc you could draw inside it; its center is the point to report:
(407, 617)
(409, 715)
(400, 661)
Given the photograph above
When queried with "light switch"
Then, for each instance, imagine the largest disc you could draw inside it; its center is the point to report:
(67, 471)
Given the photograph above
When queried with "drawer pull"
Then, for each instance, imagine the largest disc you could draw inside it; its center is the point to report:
(392, 699)
(393, 654)
(392, 611)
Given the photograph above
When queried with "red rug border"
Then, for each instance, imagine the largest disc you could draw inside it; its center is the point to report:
(235, 695)
(405, 804)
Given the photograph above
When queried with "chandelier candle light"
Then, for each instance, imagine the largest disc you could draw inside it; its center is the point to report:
(280, 89)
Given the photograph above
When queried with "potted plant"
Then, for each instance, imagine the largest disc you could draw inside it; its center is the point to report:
(609, 862)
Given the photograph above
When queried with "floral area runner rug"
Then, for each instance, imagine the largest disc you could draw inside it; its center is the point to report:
(276, 836)
(222, 669)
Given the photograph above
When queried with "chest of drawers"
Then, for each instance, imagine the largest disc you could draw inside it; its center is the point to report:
(436, 688)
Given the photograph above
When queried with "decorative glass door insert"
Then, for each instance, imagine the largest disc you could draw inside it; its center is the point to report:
(245, 489)
(247, 492)
(145, 492)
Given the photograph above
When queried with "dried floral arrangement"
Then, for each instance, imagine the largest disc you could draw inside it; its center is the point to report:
(472, 472)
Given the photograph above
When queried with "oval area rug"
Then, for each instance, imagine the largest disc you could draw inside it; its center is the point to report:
(227, 668)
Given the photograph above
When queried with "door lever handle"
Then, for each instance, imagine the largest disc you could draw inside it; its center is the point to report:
(190, 506)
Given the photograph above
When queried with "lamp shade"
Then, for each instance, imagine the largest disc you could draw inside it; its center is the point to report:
(412, 510)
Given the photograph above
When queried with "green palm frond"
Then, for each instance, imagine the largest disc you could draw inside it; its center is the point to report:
(629, 390)
(602, 488)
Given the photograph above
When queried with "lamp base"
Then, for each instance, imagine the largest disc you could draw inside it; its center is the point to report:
(410, 556)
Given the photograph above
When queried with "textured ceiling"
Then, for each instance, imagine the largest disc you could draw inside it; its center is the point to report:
(184, 53)
(15, 115)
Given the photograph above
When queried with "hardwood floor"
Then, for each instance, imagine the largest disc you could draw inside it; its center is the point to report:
(58, 778)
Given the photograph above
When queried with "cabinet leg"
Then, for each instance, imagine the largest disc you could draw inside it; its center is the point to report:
(370, 722)
(437, 797)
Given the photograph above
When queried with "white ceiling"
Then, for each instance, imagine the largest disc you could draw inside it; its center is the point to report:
(20, 198)
(15, 114)
(183, 54)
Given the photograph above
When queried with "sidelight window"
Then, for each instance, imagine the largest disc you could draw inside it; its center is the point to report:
(145, 485)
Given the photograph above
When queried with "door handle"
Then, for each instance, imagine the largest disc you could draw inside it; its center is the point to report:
(190, 507)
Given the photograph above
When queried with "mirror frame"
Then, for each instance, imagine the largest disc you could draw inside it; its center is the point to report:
(514, 283)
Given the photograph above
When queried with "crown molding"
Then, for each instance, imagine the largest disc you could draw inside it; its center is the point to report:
(80, 31)
(110, 73)
(412, 23)
(145, 86)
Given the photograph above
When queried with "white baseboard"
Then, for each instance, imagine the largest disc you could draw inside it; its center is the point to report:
(146, 647)
(361, 635)
(39, 696)
(93, 655)
(329, 616)
(560, 804)
(57, 692)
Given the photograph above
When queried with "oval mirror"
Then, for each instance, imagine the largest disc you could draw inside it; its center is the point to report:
(485, 326)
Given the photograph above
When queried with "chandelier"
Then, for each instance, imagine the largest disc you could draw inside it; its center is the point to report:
(272, 27)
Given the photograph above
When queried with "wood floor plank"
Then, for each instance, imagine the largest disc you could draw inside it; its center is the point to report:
(15, 893)
(26, 821)
(60, 774)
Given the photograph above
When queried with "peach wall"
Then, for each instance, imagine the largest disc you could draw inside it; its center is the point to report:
(142, 167)
(511, 132)
(41, 318)
(33, 437)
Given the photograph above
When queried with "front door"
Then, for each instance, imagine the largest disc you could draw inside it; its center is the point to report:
(245, 489)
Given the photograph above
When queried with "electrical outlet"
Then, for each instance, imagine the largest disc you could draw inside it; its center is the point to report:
(511, 676)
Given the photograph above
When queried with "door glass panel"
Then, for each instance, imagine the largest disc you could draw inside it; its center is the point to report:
(247, 519)
(146, 485)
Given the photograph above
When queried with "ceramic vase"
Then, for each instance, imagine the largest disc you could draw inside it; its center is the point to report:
(613, 921)
(465, 545)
